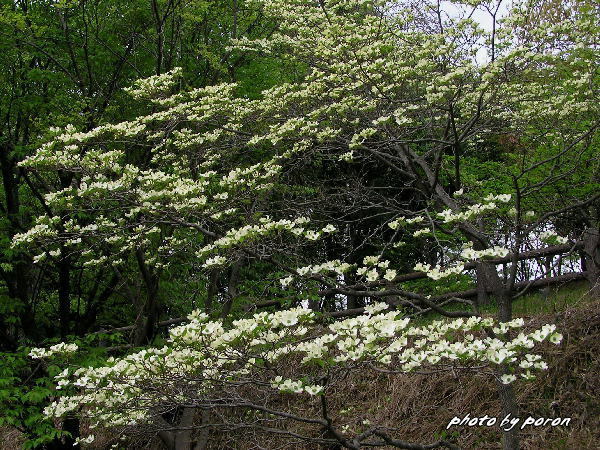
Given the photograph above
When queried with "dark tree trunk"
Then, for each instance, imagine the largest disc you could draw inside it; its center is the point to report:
(18, 281)
(211, 292)
(70, 424)
(490, 281)
(179, 437)
(591, 253)
(145, 326)
(508, 400)
(487, 279)
(510, 439)
(147, 318)
(204, 435)
(232, 288)
(64, 296)
(183, 437)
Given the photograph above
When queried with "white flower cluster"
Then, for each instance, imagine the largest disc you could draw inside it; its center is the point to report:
(504, 198)
(373, 260)
(437, 272)
(296, 387)
(347, 157)
(330, 266)
(372, 266)
(84, 440)
(214, 261)
(449, 215)
(400, 220)
(468, 253)
(370, 270)
(552, 238)
(237, 236)
(210, 353)
(39, 230)
(61, 348)
(154, 85)
(202, 347)
(383, 337)
(421, 232)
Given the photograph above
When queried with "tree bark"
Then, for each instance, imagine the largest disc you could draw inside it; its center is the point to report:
(487, 280)
(148, 314)
(232, 288)
(211, 292)
(64, 296)
(202, 442)
(183, 437)
(510, 439)
(591, 253)
(179, 437)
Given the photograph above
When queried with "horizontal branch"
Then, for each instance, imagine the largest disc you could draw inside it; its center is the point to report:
(470, 293)
(432, 304)
(546, 251)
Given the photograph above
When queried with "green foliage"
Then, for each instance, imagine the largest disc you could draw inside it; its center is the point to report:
(354, 115)
(26, 387)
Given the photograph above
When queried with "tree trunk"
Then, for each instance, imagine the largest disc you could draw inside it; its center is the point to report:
(145, 326)
(64, 295)
(202, 442)
(211, 292)
(232, 288)
(147, 318)
(591, 253)
(487, 280)
(183, 437)
(508, 400)
(510, 439)
(178, 434)
(70, 424)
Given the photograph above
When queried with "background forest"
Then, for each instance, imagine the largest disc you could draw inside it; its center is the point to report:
(298, 224)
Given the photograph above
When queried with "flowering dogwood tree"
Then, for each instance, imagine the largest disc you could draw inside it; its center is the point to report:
(209, 176)
(208, 366)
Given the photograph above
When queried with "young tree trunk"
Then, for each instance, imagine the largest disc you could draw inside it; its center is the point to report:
(145, 325)
(503, 296)
(232, 288)
(591, 253)
(510, 439)
(508, 400)
(180, 437)
(64, 296)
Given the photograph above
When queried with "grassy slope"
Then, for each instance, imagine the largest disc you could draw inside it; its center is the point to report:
(570, 388)
(420, 406)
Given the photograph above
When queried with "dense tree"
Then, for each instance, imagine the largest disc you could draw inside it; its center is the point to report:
(67, 63)
(404, 144)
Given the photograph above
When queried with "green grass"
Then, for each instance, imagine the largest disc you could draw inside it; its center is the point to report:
(535, 303)
(558, 299)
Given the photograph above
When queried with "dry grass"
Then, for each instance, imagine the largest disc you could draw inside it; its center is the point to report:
(418, 407)
(10, 438)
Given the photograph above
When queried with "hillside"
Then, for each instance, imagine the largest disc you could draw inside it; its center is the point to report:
(420, 407)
